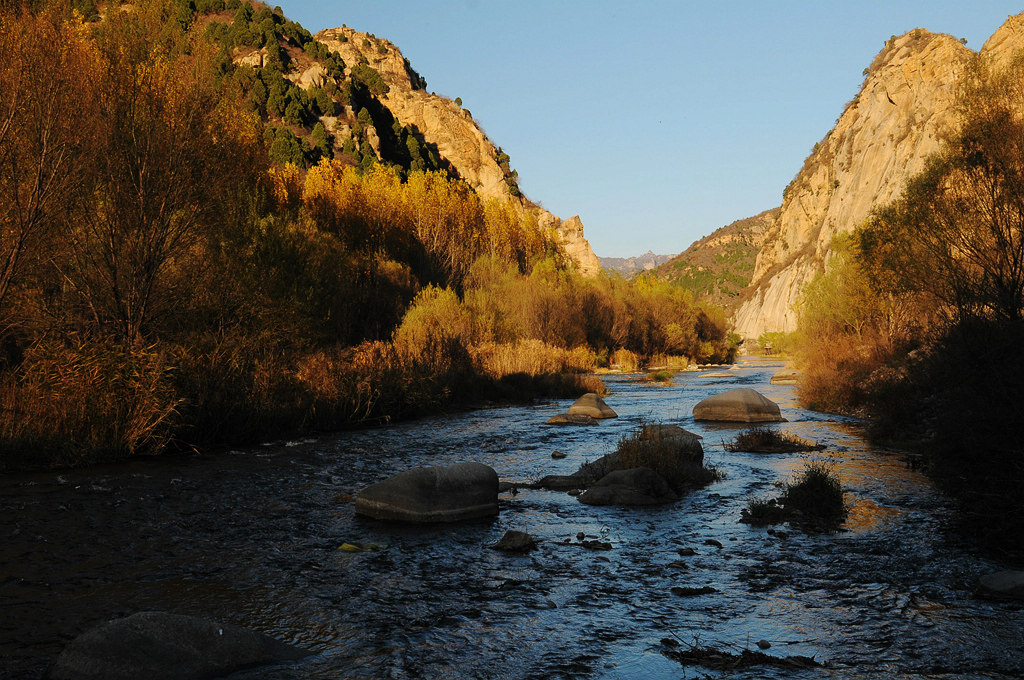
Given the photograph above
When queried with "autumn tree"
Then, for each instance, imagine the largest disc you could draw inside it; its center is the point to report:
(169, 150)
(46, 73)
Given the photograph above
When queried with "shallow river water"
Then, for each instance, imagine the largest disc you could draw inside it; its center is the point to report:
(252, 537)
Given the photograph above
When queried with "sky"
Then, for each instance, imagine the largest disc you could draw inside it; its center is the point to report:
(655, 121)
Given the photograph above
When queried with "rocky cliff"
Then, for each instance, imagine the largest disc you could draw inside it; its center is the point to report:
(881, 139)
(451, 129)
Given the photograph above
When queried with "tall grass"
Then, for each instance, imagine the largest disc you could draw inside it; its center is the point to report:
(74, 404)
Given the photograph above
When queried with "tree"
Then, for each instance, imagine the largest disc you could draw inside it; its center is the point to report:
(957, 232)
(45, 77)
(169, 153)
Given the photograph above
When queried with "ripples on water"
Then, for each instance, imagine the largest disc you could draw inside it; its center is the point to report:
(252, 538)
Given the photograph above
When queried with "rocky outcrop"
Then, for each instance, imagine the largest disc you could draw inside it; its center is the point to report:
(457, 136)
(882, 138)
(433, 494)
(592, 405)
(741, 405)
(162, 646)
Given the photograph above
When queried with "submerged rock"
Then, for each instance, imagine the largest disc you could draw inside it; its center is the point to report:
(742, 405)
(572, 419)
(592, 405)
(637, 486)
(162, 646)
(433, 494)
(1002, 585)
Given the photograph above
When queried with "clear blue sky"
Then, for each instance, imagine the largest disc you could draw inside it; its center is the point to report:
(656, 121)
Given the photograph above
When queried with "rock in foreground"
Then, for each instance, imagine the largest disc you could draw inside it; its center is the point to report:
(1002, 585)
(592, 405)
(638, 486)
(741, 405)
(162, 646)
(433, 494)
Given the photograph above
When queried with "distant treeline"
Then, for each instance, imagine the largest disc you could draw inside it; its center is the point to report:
(166, 283)
(919, 320)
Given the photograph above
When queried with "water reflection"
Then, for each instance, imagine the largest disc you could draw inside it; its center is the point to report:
(253, 539)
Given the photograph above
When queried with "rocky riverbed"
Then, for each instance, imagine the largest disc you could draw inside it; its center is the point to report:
(255, 538)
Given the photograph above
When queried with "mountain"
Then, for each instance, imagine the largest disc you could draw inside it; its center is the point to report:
(882, 138)
(627, 266)
(442, 125)
(719, 266)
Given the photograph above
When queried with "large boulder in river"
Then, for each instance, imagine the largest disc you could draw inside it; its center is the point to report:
(1002, 585)
(636, 486)
(592, 405)
(742, 405)
(433, 494)
(162, 646)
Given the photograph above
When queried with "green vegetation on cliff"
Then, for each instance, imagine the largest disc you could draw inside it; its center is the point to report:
(718, 267)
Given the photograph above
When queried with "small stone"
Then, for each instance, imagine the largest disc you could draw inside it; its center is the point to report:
(687, 552)
(558, 455)
(596, 545)
(679, 565)
(713, 542)
(580, 536)
(764, 644)
(515, 541)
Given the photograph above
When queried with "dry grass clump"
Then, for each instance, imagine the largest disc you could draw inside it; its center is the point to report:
(624, 360)
(767, 440)
(663, 377)
(671, 362)
(813, 499)
(532, 357)
(679, 460)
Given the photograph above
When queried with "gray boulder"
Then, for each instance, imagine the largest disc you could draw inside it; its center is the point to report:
(433, 494)
(741, 405)
(162, 646)
(786, 376)
(1002, 585)
(572, 419)
(637, 486)
(592, 405)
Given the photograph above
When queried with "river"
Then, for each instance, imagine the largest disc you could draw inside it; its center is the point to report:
(252, 538)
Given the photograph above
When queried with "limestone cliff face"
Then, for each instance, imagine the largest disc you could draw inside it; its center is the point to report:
(449, 127)
(881, 140)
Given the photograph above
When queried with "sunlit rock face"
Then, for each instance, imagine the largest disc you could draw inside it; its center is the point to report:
(452, 129)
(882, 138)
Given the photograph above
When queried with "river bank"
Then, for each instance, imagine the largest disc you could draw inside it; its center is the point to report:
(251, 538)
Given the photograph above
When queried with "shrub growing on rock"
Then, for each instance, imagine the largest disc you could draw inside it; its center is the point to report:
(679, 459)
(814, 498)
